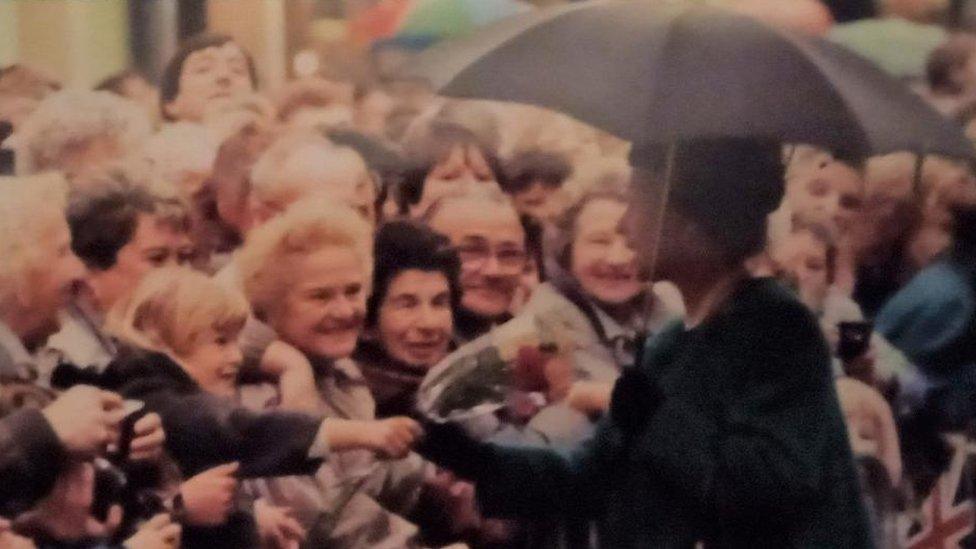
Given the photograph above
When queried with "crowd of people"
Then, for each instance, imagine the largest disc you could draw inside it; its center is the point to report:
(218, 304)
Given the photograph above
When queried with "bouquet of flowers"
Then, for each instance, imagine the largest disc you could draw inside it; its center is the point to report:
(479, 378)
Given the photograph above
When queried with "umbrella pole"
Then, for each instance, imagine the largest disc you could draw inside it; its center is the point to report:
(917, 175)
(666, 178)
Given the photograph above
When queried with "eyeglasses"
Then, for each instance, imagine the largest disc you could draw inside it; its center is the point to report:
(476, 256)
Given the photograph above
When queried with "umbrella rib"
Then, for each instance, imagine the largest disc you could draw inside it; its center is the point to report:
(804, 49)
(489, 47)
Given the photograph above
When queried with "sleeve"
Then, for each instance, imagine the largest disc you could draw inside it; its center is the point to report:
(255, 339)
(401, 482)
(557, 425)
(765, 452)
(363, 522)
(203, 432)
(529, 482)
(927, 315)
(30, 457)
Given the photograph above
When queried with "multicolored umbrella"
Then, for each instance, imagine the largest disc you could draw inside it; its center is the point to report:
(437, 19)
(379, 21)
(901, 48)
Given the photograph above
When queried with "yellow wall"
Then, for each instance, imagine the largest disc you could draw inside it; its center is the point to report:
(105, 36)
(258, 26)
(79, 41)
(8, 33)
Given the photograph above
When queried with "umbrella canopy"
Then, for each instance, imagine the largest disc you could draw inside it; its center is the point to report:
(437, 19)
(654, 74)
(899, 47)
(379, 21)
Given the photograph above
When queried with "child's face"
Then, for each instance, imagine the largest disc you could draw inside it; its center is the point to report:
(215, 361)
(803, 258)
(830, 196)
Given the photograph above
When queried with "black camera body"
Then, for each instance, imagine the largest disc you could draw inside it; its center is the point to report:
(855, 339)
(6, 155)
(118, 482)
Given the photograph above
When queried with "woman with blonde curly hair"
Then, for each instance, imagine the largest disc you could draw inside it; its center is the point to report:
(182, 361)
(307, 273)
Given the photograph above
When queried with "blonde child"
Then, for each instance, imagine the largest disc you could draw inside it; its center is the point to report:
(183, 361)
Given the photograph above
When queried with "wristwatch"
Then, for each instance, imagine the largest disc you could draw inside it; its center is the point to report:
(177, 508)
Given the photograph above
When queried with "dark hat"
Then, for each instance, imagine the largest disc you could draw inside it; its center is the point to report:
(728, 186)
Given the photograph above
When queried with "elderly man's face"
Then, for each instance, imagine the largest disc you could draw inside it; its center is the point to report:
(51, 286)
(491, 243)
(322, 313)
(210, 75)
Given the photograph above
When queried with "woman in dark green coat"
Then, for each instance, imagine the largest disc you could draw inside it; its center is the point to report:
(728, 430)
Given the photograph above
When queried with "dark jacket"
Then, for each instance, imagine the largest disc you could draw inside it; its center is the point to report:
(30, 457)
(393, 383)
(203, 431)
(729, 433)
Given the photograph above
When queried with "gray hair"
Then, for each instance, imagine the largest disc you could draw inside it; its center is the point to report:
(67, 118)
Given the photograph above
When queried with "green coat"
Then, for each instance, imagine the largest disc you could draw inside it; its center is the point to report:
(729, 433)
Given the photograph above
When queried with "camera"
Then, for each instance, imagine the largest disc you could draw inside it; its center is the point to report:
(855, 337)
(110, 487)
(6, 155)
(117, 483)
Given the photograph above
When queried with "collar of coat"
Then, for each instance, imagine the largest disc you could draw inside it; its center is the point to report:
(15, 361)
(140, 371)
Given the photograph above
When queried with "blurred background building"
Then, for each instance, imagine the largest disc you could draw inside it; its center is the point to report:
(86, 40)
(83, 41)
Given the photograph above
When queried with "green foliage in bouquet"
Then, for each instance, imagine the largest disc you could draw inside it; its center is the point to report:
(479, 378)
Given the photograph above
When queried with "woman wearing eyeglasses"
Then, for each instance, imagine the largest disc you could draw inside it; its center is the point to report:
(595, 291)
(728, 430)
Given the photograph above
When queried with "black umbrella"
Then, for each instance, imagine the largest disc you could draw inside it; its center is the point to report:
(656, 73)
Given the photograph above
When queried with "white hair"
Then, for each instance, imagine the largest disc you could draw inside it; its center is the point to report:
(271, 176)
(32, 210)
(178, 150)
(67, 118)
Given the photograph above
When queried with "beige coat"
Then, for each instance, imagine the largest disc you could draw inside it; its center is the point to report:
(354, 500)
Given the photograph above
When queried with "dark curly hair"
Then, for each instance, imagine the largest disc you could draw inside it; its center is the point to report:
(426, 151)
(103, 218)
(404, 245)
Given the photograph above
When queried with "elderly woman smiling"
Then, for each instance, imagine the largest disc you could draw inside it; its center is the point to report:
(410, 315)
(597, 291)
(307, 273)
